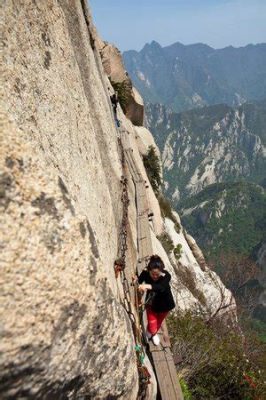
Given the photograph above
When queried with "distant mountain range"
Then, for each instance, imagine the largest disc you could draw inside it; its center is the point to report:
(227, 218)
(184, 77)
(209, 145)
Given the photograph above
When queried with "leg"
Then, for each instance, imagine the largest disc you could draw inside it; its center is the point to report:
(160, 317)
(152, 321)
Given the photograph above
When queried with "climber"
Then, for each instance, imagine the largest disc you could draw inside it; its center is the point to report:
(114, 101)
(159, 296)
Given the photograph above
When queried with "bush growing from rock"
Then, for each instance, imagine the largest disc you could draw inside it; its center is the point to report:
(166, 242)
(151, 163)
(185, 390)
(123, 90)
(178, 251)
(213, 360)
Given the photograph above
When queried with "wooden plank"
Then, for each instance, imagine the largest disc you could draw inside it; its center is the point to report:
(173, 373)
(166, 374)
(167, 390)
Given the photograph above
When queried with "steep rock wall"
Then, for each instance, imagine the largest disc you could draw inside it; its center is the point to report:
(64, 332)
(199, 289)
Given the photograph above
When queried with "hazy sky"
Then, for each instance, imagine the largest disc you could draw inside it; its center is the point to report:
(130, 24)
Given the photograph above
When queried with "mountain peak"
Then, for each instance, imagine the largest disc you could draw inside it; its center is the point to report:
(153, 45)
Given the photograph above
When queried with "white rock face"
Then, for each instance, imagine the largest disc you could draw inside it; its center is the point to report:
(188, 211)
(168, 154)
(145, 140)
(196, 250)
(135, 108)
(176, 194)
(199, 181)
(205, 287)
(65, 333)
(197, 100)
(112, 61)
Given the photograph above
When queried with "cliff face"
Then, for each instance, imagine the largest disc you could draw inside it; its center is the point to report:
(65, 332)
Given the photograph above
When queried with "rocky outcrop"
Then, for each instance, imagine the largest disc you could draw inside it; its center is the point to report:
(145, 140)
(112, 62)
(196, 251)
(115, 70)
(135, 108)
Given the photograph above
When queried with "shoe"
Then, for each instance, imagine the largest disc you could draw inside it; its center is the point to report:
(148, 334)
(156, 340)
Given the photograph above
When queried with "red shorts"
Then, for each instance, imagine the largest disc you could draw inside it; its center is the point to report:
(155, 320)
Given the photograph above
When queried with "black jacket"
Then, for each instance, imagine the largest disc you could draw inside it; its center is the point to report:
(162, 296)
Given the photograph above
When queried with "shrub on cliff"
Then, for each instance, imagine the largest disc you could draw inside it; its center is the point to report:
(123, 90)
(152, 165)
(213, 361)
(166, 242)
(178, 251)
(166, 208)
(185, 390)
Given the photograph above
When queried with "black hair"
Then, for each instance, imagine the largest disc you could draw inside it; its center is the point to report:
(155, 263)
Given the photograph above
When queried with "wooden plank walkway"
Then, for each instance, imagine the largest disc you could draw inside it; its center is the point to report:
(161, 355)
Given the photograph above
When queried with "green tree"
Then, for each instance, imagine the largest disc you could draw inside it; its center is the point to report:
(123, 90)
(151, 163)
(178, 251)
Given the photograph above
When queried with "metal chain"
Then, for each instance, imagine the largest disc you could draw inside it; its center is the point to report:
(120, 264)
(122, 244)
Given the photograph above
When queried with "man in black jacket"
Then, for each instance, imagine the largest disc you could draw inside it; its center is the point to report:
(114, 101)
